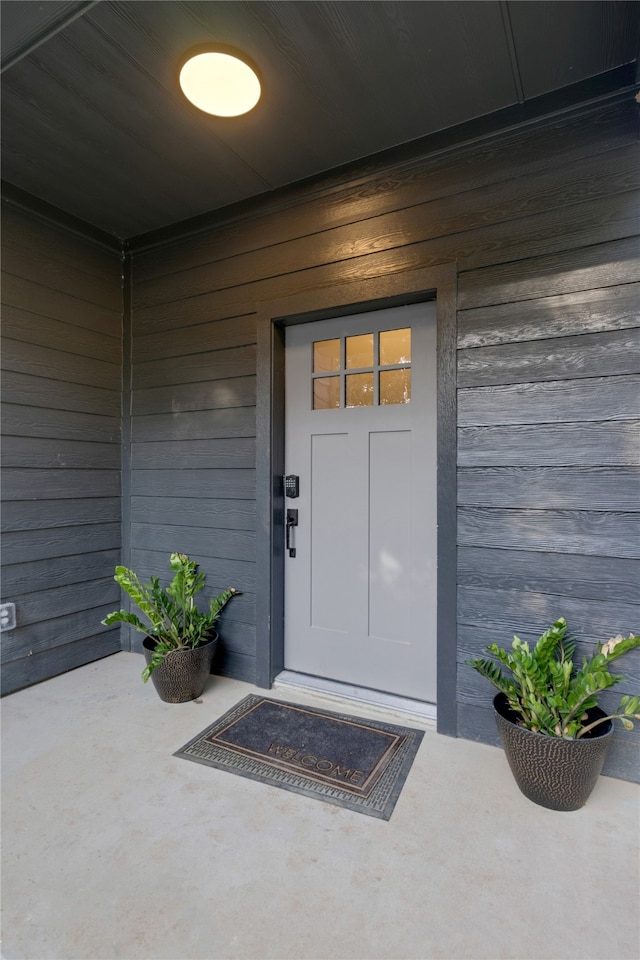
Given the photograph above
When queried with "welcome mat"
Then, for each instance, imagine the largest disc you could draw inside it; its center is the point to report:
(354, 763)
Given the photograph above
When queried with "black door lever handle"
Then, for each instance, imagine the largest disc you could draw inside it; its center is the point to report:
(291, 521)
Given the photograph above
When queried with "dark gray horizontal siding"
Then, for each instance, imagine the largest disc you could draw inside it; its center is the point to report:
(193, 490)
(551, 488)
(592, 355)
(549, 463)
(23, 421)
(58, 364)
(34, 576)
(40, 453)
(219, 514)
(207, 541)
(25, 262)
(587, 311)
(46, 514)
(63, 483)
(192, 456)
(555, 401)
(30, 296)
(62, 600)
(22, 546)
(225, 452)
(235, 391)
(581, 267)
(203, 368)
(235, 665)
(61, 387)
(558, 444)
(39, 253)
(25, 327)
(195, 425)
(563, 575)
(27, 238)
(43, 392)
(199, 334)
(610, 534)
(196, 484)
(41, 636)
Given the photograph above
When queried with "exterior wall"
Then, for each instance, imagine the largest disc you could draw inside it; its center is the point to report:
(548, 455)
(542, 223)
(61, 416)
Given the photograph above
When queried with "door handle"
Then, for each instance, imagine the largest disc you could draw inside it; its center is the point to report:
(291, 521)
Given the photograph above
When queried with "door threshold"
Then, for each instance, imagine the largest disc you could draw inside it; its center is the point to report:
(418, 709)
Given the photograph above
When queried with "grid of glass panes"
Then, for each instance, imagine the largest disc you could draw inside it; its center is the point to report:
(367, 370)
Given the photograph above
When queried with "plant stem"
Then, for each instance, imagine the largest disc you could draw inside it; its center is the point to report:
(595, 723)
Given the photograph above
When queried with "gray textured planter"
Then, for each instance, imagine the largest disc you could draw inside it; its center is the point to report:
(553, 772)
(184, 673)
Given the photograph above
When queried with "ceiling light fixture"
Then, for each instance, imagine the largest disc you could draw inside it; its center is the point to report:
(220, 81)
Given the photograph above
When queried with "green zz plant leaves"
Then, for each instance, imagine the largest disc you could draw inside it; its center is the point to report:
(548, 692)
(173, 620)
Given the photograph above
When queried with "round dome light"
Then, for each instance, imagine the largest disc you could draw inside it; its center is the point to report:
(220, 83)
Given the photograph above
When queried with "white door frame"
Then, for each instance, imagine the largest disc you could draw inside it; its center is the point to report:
(414, 286)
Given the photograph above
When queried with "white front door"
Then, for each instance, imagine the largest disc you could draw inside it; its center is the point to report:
(360, 591)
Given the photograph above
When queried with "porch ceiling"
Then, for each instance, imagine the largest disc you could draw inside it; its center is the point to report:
(94, 123)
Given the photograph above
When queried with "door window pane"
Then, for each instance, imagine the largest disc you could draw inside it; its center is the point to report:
(326, 356)
(360, 351)
(359, 390)
(395, 386)
(395, 346)
(326, 393)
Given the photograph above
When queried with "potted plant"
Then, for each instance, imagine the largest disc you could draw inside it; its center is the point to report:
(180, 640)
(554, 734)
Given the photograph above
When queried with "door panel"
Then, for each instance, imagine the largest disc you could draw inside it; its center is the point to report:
(389, 535)
(360, 593)
(328, 571)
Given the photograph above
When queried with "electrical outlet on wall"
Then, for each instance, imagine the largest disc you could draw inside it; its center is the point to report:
(7, 616)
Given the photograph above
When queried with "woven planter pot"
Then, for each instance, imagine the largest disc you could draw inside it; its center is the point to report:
(553, 772)
(183, 674)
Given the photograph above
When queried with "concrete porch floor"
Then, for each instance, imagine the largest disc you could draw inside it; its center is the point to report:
(113, 848)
